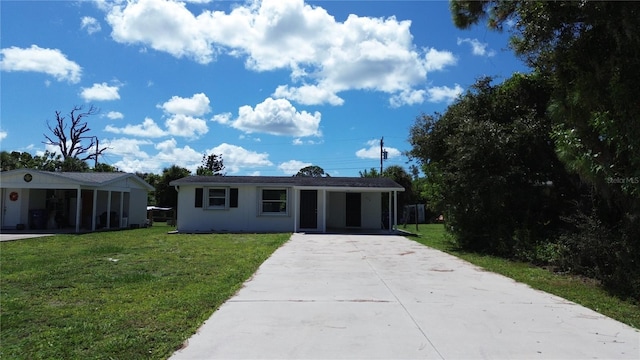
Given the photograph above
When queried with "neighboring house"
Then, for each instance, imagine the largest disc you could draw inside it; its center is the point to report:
(34, 199)
(283, 204)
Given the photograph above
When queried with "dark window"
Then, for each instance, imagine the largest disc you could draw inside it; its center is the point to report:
(233, 198)
(217, 198)
(198, 197)
(274, 201)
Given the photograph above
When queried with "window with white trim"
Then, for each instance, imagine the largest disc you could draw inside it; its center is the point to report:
(274, 202)
(217, 198)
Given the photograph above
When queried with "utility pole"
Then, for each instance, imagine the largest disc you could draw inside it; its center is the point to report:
(381, 154)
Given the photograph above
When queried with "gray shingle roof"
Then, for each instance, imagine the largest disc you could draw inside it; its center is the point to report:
(91, 177)
(352, 182)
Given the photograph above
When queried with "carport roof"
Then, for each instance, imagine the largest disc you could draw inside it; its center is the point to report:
(298, 181)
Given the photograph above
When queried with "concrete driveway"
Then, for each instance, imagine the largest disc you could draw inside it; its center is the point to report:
(387, 297)
(20, 236)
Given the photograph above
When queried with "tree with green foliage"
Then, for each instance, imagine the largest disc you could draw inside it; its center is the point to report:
(153, 180)
(212, 165)
(398, 174)
(165, 194)
(73, 164)
(102, 167)
(312, 171)
(590, 52)
(14, 160)
(48, 161)
(371, 173)
(491, 167)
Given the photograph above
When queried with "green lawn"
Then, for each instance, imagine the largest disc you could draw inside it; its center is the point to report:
(118, 295)
(577, 289)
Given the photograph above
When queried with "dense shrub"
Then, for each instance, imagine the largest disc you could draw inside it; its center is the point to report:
(603, 251)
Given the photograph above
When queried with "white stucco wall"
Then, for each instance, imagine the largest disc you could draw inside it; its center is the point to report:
(244, 218)
(371, 210)
(336, 210)
(137, 204)
(247, 218)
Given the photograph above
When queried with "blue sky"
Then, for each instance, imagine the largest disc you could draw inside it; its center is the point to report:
(272, 85)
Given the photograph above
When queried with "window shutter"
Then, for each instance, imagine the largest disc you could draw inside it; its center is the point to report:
(233, 198)
(198, 197)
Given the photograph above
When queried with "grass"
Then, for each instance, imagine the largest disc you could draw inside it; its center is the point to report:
(583, 291)
(118, 295)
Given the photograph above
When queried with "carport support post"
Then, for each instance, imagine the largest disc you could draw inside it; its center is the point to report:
(296, 208)
(395, 209)
(108, 226)
(390, 228)
(324, 210)
(78, 208)
(93, 211)
(121, 208)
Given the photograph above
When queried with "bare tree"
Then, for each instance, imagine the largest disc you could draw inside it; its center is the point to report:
(70, 142)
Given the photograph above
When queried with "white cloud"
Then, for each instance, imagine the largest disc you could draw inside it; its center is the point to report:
(185, 125)
(100, 92)
(162, 25)
(438, 60)
(3, 135)
(148, 128)
(299, 141)
(133, 165)
(37, 59)
(373, 151)
(223, 118)
(324, 56)
(446, 94)
(276, 117)
(308, 95)
(197, 105)
(185, 157)
(168, 152)
(126, 147)
(236, 158)
(292, 167)
(180, 120)
(90, 24)
(115, 115)
(182, 112)
(409, 97)
(477, 48)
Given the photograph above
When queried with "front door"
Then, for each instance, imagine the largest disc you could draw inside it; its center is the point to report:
(308, 209)
(11, 201)
(353, 210)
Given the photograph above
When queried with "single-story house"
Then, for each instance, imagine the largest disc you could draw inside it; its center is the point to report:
(284, 204)
(34, 199)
